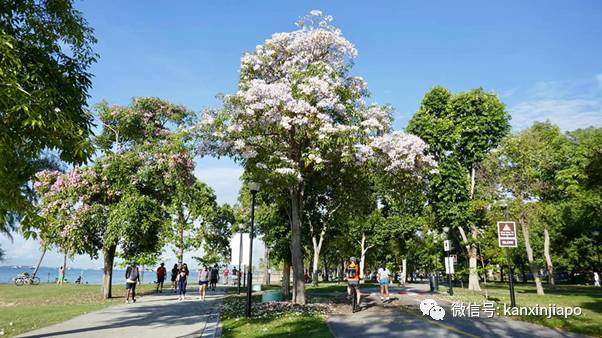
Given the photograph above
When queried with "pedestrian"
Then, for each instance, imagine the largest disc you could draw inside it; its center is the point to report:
(132, 278)
(174, 276)
(182, 281)
(204, 275)
(61, 277)
(214, 277)
(383, 280)
(596, 279)
(161, 272)
(235, 274)
(226, 275)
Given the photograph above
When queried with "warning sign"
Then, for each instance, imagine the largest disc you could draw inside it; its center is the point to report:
(506, 234)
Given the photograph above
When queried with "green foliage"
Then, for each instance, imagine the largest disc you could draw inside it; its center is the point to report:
(122, 198)
(45, 55)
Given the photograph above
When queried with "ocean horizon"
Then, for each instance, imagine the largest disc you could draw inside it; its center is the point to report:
(89, 276)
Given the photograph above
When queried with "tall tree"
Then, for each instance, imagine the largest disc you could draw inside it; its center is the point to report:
(461, 130)
(46, 52)
(192, 209)
(527, 165)
(297, 110)
(121, 199)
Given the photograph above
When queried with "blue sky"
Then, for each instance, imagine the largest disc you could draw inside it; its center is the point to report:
(543, 58)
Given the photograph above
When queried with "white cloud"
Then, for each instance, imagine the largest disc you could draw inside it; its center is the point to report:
(569, 114)
(224, 180)
(569, 104)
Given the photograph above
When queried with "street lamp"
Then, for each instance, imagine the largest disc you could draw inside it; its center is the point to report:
(504, 206)
(238, 273)
(450, 262)
(254, 188)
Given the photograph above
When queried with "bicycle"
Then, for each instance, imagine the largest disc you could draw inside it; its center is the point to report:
(23, 279)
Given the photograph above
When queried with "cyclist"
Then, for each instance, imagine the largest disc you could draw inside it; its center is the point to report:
(353, 279)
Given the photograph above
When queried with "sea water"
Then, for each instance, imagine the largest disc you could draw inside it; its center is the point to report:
(49, 275)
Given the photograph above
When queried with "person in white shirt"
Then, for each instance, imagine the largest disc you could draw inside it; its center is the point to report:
(596, 279)
(383, 279)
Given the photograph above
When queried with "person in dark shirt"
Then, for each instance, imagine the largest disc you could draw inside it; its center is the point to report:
(174, 276)
(214, 277)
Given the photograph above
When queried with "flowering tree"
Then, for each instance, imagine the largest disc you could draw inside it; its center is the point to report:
(400, 168)
(298, 111)
(119, 200)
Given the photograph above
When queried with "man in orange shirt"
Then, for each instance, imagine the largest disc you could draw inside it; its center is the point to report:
(161, 273)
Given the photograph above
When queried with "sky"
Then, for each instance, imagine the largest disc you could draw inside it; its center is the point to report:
(543, 59)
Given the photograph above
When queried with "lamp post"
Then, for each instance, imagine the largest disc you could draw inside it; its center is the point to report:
(239, 274)
(504, 206)
(254, 188)
(447, 248)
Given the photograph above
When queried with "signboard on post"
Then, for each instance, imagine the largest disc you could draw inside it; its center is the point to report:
(446, 245)
(506, 234)
(449, 265)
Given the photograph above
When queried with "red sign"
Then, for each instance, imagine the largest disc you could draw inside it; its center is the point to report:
(506, 234)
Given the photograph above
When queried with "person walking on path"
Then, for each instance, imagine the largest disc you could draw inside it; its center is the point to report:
(161, 273)
(353, 279)
(596, 279)
(182, 281)
(214, 277)
(61, 277)
(203, 281)
(226, 275)
(383, 280)
(132, 277)
(174, 276)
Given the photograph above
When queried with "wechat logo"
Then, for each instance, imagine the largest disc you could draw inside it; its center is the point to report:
(429, 307)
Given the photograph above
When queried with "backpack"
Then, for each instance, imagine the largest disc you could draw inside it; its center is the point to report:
(132, 274)
(351, 271)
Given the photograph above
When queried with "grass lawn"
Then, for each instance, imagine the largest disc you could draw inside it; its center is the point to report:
(267, 323)
(26, 308)
(588, 298)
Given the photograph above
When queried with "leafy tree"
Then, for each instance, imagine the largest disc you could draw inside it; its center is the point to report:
(527, 165)
(193, 209)
(122, 198)
(45, 54)
(460, 130)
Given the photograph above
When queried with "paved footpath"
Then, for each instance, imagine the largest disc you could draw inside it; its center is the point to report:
(402, 318)
(158, 315)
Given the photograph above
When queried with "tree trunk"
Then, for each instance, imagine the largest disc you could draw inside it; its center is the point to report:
(266, 275)
(404, 271)
(546, 253)
(317, 244)
(472, 182)
(39, 261)
(364, 249)
(473, 276)
(286, 279)
(181, 225)
(296, 249)
(65, 262)
(325, 262)
(532, 265)
(107, 279)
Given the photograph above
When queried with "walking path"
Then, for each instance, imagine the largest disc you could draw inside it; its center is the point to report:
(158, 315)
(402, 318)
